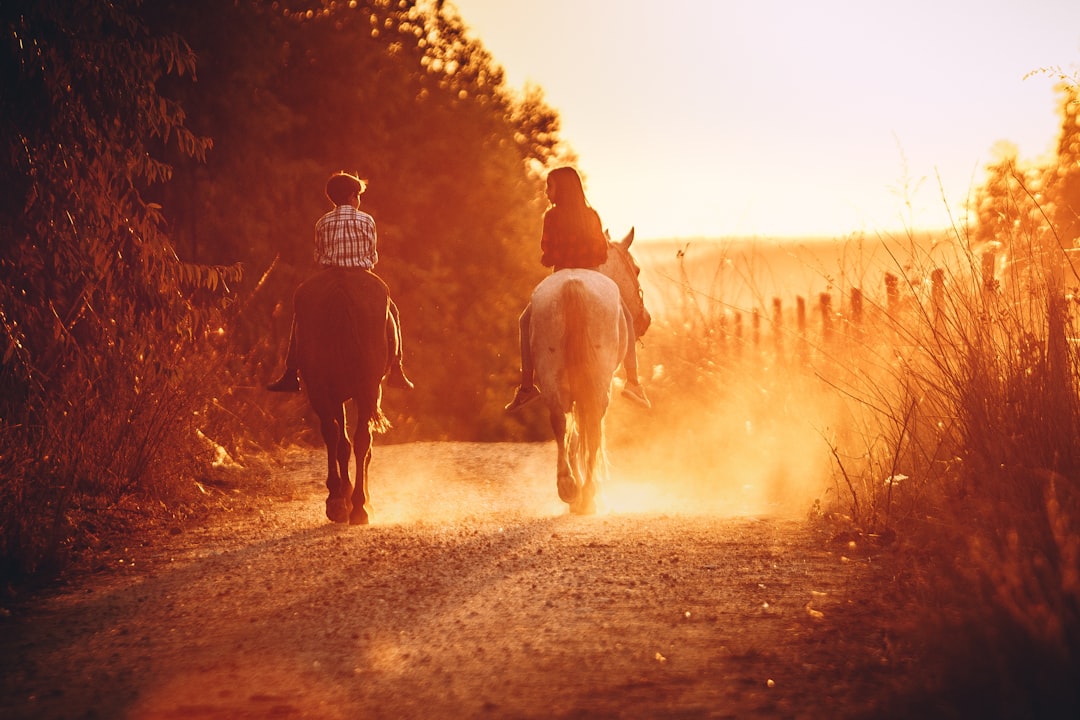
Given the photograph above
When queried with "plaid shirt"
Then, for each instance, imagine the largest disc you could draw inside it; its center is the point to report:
(345, 237)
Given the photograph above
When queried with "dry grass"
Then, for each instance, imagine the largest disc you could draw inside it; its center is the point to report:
(949, 411)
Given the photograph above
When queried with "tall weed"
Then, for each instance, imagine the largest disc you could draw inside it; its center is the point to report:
(948, 401)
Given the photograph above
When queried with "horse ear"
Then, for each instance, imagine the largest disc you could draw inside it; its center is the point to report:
(626, 241)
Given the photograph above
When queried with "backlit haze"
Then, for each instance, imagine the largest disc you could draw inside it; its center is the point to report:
(767, 118)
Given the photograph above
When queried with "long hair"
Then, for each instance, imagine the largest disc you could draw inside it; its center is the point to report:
(572, 213)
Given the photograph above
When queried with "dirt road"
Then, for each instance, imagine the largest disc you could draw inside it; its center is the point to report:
(472, 595)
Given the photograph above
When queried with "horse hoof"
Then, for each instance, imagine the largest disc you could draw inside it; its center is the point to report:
(337, 511)
(568, 489)
(359, 515)
(584, 507)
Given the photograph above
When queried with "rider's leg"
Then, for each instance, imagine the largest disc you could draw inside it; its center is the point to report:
(527, 391)
(288, 382)
(524, 323)
(395, 372)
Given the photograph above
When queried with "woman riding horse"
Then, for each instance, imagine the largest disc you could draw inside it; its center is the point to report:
(573, 237)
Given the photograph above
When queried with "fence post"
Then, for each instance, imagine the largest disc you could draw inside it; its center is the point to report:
(892, 305)
(800, 321)
(755, 320)
(738, 334)
(856, 312)
(892, 295)
(825, 302)
(778, 325)
(989, 281)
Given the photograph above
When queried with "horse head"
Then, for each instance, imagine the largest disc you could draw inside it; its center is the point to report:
(621, 267)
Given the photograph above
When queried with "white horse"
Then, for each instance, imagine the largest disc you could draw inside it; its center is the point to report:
(582, 321)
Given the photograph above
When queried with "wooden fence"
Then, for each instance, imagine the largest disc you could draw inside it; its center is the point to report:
(825, 325)
(903, 316)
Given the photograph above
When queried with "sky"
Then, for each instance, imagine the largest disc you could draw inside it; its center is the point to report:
(783, 118)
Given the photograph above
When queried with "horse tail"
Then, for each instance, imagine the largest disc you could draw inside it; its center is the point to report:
(582, 362)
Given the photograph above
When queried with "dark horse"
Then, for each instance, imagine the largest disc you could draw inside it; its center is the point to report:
(342, 351)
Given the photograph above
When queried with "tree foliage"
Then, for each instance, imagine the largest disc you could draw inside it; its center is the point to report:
(97, 311)
(154, 148)
(1031, 210)
(399, 93)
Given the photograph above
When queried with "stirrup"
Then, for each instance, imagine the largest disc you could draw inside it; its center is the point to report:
(522, 396)
(286, 383)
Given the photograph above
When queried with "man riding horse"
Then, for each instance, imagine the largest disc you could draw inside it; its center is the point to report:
(345, 238)
(345, 340)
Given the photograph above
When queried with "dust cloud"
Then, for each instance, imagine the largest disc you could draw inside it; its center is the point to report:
(734, 446)
(456, 482)
(732, 432)
(751, 451)
(739, 458)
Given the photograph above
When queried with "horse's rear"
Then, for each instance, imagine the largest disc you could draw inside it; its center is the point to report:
(341, 318)
(578, 337)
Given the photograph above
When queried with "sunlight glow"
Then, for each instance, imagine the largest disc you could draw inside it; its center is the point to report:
(765, 118)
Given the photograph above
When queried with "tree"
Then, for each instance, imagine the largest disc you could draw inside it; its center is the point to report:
(397, 92)
(96, 309)
(1064, 183)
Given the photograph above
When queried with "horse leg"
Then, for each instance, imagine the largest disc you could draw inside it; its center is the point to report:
(344, 455)
(361, 511)
(567, 484)
(332, 427)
